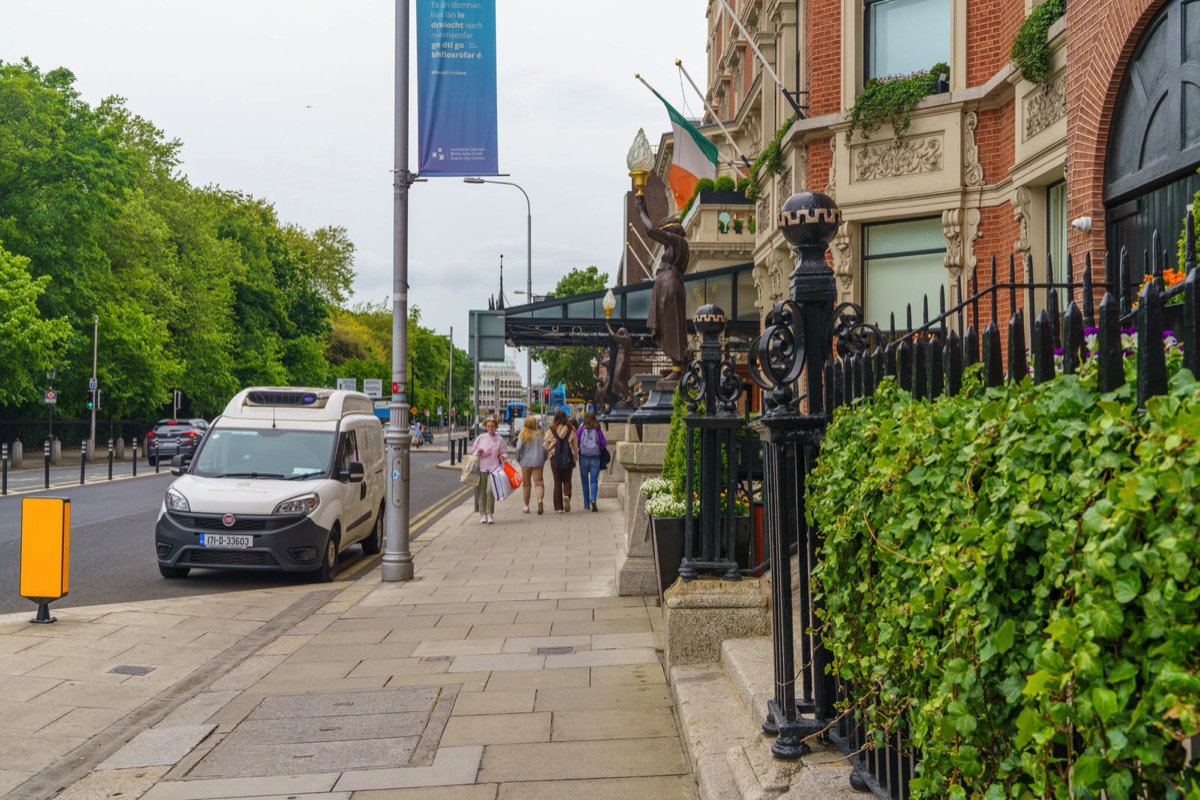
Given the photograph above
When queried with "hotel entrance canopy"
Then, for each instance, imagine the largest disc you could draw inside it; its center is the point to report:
(578, 320)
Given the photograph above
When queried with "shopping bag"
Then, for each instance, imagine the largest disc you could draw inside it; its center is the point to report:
(501, 488)
(470, 470)
(514, 477)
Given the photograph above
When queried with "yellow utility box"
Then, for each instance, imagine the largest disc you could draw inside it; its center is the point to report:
(45, 551)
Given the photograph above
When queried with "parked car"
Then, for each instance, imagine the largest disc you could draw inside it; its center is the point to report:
(174, 437)
(285, 479)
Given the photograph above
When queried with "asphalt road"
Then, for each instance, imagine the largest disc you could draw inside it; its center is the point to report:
(112, 537)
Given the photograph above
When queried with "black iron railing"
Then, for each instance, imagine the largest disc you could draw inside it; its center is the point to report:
(841, 359)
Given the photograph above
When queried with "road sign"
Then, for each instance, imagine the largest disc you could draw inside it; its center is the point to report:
(51, 397)
(349, 384)
(91, 383)
(439, 411)
(373, 387)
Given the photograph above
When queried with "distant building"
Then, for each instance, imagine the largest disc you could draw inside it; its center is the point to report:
(499, 384)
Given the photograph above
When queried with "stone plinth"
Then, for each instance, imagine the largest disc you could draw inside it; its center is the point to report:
(703, 613)
(612, 478)
(640, 457)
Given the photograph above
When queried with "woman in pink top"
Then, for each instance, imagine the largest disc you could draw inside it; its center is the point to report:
(491, 448)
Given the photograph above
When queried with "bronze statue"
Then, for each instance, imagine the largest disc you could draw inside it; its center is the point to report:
(667, 319)
(621, 371)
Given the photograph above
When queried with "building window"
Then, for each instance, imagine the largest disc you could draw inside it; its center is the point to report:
(902, 263)
(905, 36)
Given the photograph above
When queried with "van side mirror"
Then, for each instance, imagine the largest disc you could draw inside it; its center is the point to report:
(177, 465)
(356, 474)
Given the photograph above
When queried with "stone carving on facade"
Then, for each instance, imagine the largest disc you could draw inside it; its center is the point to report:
(972, 168)
(768, 277)
(801, 155)
(843, 263)
(785, 183)
(1046, 106)
(752, 131)
(961, 228)
(897, 158)
(1021, 200)
(831, 189)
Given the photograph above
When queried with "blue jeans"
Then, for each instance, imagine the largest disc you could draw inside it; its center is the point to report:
(589, 476)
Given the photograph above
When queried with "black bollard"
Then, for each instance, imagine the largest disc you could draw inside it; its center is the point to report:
(4, 471)
(46, 454)
(110, 458)
(135, 456)
(83, 464)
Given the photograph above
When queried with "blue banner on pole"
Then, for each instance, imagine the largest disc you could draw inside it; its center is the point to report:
(456, 88)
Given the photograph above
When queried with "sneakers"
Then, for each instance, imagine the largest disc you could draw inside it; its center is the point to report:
(525, 510)
(483, 520)
(490, 520)
(539, 506)
(594, 506)
(567, 503)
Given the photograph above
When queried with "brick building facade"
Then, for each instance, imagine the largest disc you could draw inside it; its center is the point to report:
(994, 167)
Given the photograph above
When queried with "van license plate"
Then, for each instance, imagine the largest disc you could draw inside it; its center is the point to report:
(225, 540)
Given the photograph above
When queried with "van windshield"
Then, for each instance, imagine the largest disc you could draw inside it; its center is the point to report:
(264, 453)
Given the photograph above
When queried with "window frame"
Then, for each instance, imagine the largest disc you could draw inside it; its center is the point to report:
(867, 31)
(865, 256)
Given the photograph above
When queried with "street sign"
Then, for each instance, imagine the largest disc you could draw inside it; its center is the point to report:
(349, 384)
(439, 411)
(373, 387)
(51, 397)
(91, 383)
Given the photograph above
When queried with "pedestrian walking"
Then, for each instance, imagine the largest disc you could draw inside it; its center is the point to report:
(491, 449)
(531, 455)
(591, 442)
(562, 450)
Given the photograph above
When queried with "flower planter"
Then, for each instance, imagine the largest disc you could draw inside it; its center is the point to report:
(668, 546)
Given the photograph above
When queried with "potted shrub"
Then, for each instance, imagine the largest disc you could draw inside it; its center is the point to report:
(666, 525)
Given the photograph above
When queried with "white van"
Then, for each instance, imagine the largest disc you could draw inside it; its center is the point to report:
(285, 479)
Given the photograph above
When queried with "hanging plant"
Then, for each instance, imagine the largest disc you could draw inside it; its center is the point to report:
(769, 161)
(1030, 51)
(891, 99)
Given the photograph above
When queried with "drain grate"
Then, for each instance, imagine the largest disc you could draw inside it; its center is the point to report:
(555, 651)
(127, 669)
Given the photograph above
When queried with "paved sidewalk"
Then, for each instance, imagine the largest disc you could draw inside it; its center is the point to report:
(506, 670)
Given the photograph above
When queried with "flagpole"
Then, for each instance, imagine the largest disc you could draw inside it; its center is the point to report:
(778, 83)
(716, 117)
(732, 164)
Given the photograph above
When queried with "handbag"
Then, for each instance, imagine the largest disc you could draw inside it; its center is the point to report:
(605, 457)
(470, 470)
(514, 477)
(501, 488)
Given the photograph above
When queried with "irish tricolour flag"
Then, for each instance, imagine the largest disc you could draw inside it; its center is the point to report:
(695, 157)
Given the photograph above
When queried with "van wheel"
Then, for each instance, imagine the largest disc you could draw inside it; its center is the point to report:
(173, 572)
(328, 569)
(374, 543)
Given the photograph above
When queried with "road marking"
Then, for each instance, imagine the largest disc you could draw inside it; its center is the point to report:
(416, 526)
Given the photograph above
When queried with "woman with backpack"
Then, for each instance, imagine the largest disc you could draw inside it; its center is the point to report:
(531, 455)
(562, 450)
(591, 442)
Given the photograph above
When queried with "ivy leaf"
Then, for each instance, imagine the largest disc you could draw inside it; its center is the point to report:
(1127, 587)
(1088, 771)
(1104, 702)
(1004, 636)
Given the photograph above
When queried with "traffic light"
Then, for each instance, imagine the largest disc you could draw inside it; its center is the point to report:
(546, 394)
(91, 399)
(99, 399)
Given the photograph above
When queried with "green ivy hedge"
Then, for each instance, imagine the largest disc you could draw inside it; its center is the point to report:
(1030, 50)
(1013, 573)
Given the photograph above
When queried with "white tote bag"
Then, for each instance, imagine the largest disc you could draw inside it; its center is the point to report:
(501, 488)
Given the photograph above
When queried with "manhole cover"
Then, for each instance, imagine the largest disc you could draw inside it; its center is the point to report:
(126, 669)
(333, 733)
(555, 651)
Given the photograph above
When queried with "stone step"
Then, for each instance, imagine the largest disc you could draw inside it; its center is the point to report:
(721, 710)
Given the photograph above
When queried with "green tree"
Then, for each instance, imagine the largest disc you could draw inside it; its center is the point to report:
(571, 366)
(28, 343)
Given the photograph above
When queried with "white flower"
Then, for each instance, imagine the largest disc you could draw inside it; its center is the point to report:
(664, 505)
(653, 486)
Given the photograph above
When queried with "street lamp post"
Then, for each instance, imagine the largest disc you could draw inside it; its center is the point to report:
(94, 385)
(528, 278)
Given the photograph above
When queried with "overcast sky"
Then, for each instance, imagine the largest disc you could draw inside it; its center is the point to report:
(293, 101)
